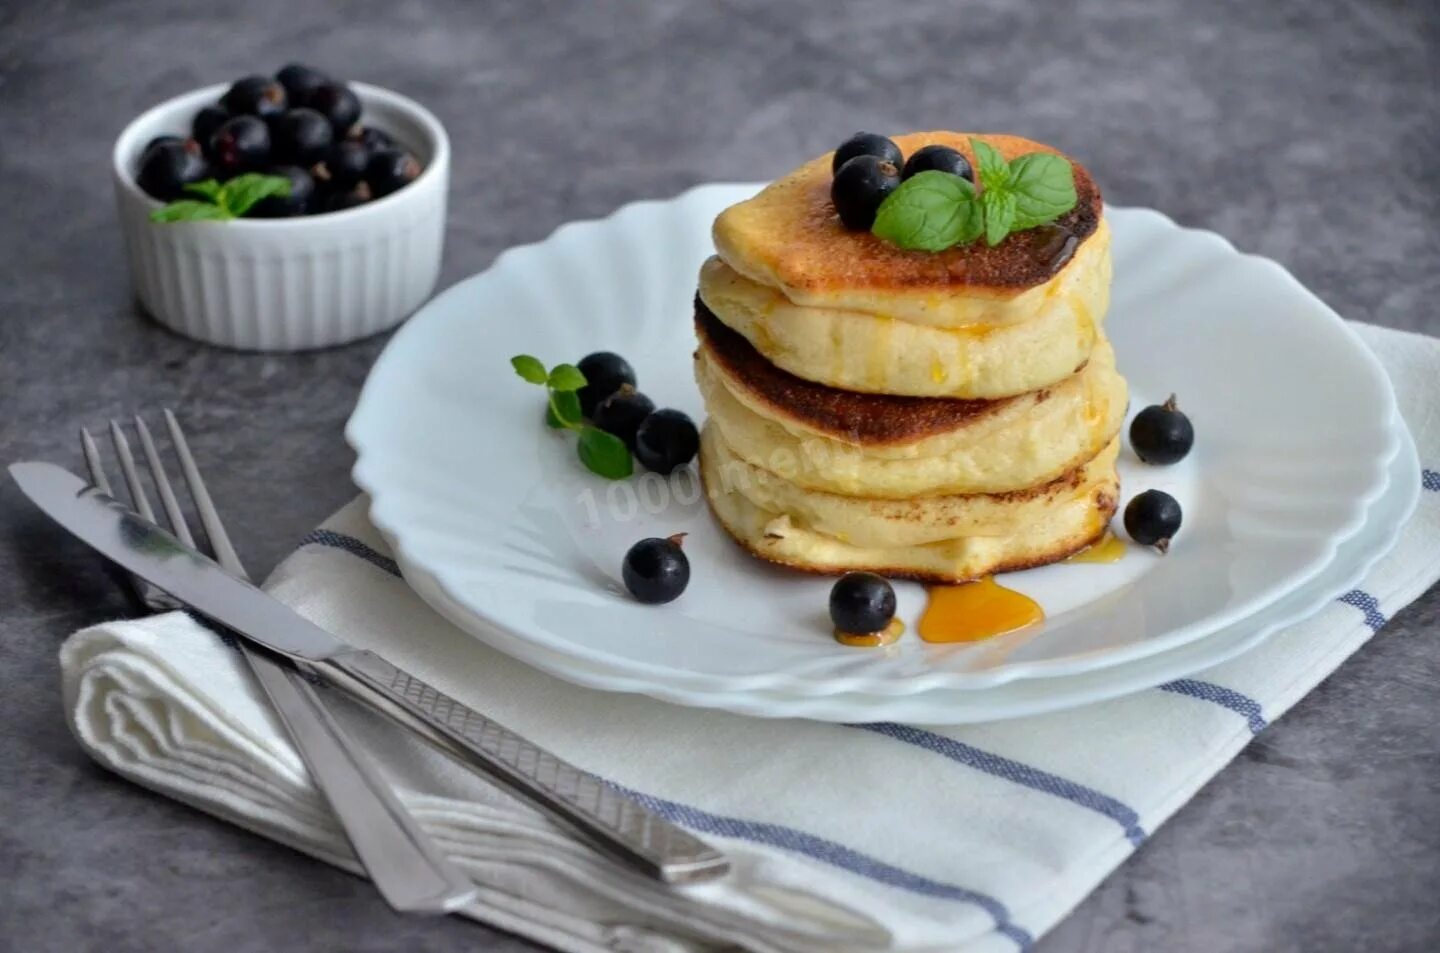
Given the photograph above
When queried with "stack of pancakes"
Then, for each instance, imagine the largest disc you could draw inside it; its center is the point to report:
(939, 416)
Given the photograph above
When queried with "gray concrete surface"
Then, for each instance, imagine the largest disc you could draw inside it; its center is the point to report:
(1304, 130)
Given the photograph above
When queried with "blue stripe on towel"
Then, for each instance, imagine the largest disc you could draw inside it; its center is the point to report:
(1430, 480)
(1222, 696)
(829, 852)
(993, 764)
(1011, 770)
(1368, 605)
(354, 547)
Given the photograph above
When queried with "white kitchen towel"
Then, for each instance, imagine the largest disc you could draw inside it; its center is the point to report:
(864, 837)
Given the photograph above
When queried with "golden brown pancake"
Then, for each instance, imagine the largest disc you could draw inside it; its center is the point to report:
(937, 416)
(856, 418)
(790, 237)
(890, 447)
(933, 539)
(1034, 343)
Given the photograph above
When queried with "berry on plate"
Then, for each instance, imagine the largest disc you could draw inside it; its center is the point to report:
(861, 603)
(667, 439)
(605, 373)
(1161, 434)
(656, 570)
(1153, 519)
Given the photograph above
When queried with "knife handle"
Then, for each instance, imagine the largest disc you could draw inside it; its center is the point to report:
(407, 868)
(607, 818)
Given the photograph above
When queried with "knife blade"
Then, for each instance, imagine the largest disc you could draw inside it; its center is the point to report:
(606, 817)
(134, 543)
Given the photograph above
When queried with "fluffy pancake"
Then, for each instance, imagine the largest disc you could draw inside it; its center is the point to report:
(939, 416)
(934, 539)
(789, 238)
(822, 438)
(882, 354)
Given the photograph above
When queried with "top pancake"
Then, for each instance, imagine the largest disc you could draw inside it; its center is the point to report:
(789, 237)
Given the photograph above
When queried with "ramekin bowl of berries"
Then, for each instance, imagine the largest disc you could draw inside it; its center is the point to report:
(284, 212)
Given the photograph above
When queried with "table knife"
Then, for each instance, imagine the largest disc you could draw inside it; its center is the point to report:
(600, 813)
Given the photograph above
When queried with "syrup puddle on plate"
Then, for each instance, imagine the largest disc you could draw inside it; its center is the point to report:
(1110, 549)
(984, 609)
(886, 636)
(974, 611)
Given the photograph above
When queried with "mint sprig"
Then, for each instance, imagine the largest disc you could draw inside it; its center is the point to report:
(933, 211)
(529, 368)
(994, 170)
(1044, 188)
(602, 453)
(998, 207)
(189, 210)
(219, 201)
(936, 211)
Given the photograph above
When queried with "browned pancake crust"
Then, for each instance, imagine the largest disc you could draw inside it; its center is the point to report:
(1065, 483)
(861, 419)
(813, 251)
(1061, 550)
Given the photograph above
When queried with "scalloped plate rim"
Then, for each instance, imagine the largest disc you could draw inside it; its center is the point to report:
(400, 540)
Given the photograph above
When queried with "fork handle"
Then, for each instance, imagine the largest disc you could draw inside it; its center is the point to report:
(400, 858)
(607, 818)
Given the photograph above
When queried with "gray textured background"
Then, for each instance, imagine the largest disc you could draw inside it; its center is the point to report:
(1305, 131)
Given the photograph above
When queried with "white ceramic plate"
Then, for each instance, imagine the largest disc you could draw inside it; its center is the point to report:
(1295, 423)
(1021, 697)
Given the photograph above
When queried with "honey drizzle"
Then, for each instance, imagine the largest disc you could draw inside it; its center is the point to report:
(1056, 246)
(885, 636)
(1110, 549)
(974, 611)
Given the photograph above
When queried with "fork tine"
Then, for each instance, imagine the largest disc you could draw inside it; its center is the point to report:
(225, 553)
(93, 464)
(138, 499)
(162, 483)
(144, 596)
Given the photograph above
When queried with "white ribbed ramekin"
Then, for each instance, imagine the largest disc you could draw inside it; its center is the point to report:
(293, 283)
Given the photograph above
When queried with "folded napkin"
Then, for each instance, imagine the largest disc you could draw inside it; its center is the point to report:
(863, 837)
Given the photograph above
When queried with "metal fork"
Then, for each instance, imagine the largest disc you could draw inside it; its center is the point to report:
(405, 864)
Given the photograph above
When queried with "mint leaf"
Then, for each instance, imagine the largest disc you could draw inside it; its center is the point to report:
(193, 210)
(207, 187)
(563, 409)
(1044, 189)
(566, 377)
(605, 454)
(994, 170)
(529, 368)
(189, 210)
(241, 193)
(930, 211)
(934, 211)
(999, 206)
